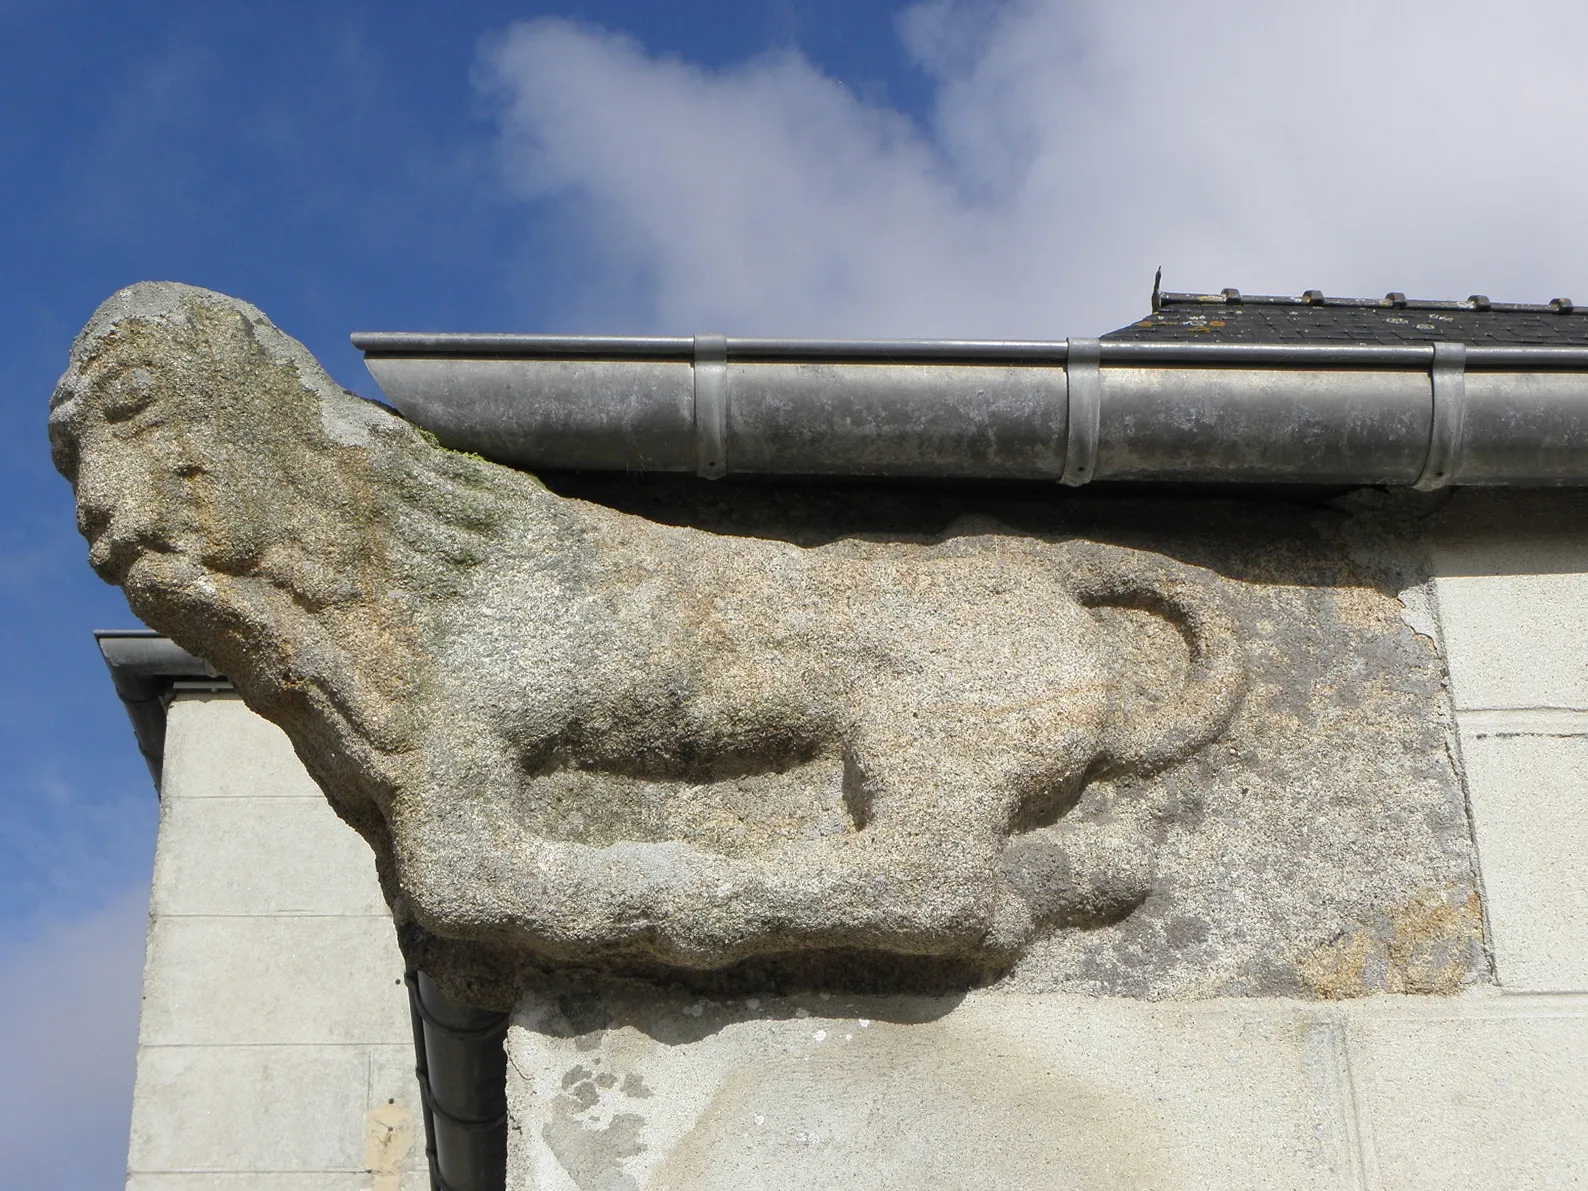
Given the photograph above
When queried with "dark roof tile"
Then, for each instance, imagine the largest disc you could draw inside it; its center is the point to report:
(1261, 318)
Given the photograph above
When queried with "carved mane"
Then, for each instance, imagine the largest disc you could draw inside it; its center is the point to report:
(295, 535)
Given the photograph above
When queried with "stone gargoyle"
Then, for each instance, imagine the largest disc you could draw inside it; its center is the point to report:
(577, 735)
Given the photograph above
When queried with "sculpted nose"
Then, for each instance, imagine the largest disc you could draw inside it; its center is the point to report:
(93, 518)
(95, 502)
(105, 516)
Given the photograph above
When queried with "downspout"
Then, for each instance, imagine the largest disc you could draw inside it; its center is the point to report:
(461, 1063)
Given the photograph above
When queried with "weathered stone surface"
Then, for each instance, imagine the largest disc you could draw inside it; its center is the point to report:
(981, 1093)
(1056, 1092)
(275, 1037)
(1163, 749)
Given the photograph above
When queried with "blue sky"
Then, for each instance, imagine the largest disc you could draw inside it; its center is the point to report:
(754, 166)
(334, 164)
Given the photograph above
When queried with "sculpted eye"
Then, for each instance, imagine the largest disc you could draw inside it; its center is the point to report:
(133, 393)
(127, 404)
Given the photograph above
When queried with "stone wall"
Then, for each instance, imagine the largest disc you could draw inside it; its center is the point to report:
(274, 1051)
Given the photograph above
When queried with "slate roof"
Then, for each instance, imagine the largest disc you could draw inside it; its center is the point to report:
(1231, 316)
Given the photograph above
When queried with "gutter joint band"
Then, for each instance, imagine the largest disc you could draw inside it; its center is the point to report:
(1084, 383)
(711, 406)
(1449, 377)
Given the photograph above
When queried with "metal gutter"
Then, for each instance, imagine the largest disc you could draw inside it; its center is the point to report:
(146, 669)
(1424, 414)
(398, 344)
(459, 1058)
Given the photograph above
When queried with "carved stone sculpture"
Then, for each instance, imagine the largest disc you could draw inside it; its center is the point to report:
(578, 735)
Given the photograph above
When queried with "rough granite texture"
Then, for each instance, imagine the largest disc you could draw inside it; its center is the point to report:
(866, 737)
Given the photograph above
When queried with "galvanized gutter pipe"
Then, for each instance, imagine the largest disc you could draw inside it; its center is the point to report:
(1416, 414)
(459, 1058)
(146, 669)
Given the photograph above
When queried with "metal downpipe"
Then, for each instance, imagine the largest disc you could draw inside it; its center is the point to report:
(461, 1066)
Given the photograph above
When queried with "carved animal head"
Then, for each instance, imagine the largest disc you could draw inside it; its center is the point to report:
(291, 533)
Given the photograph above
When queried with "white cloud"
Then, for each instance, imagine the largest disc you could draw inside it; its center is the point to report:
(1357, 147)
(68, 1031)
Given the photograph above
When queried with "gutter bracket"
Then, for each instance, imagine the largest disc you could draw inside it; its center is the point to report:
(1084, 385)
(711, 406)
(1449, 377)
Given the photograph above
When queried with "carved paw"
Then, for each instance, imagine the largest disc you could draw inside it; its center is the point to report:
(1088, 875)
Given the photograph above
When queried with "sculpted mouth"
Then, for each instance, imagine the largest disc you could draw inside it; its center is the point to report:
(113, 555)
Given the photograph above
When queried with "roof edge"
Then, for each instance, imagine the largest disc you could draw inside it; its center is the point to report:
(1394, 300)
(145, 668)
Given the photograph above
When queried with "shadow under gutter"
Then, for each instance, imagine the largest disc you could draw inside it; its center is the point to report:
(459, 1058)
